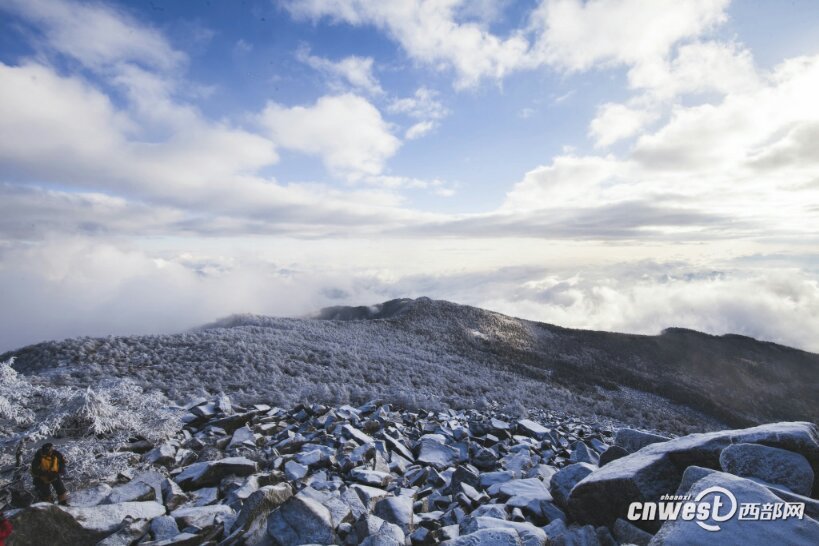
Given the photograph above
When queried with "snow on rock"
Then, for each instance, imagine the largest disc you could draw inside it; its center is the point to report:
(657, 469)
(211, 472)
(770, 464)
(791, 531)
(106, 518)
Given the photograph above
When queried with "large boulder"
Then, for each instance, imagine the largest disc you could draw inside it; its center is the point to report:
(252, 519)
(527, 427)
(792, 531)
(657, 469)
(693, 474)
(397, 510)
(340, 511)
(201, 516)
(301, 520)
(105, 519)
(172, 495)
(163, 454)
(130, 532)
(433, 451)
(163, 528)
(528, 534)
(769, 464)
(498, 536)
(208, 473)
(91, 496)
(626, 533)
(634, 440)
(45, 523)
(132, 491)
(566, 478)
(388, 534)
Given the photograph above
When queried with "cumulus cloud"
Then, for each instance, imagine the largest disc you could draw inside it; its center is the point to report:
(694, 69)
(615, 122)
(429, 33)
(578, 35)
(345, 131)
(567, 34)
(64, 130)
(741, 158)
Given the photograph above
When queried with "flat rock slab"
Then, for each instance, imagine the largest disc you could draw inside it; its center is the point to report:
(434, 452)
(106, 518)
(128, 534)
(529, 487)
(527, 427)
(487, 537)
(200, 516)
(634, 440)
(528, 534)
(91, 496)
(132, 491)
(208, 473)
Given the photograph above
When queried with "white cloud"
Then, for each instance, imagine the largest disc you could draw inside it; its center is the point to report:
(63, 129)
(71, 287)
(346, 131)
(435, 186)
(353, 71)
(98, 36)
(423, 104)
(526, 113)
(62, 132)
(419, 129)
(726, 135)
(578, 35)
(429, 32)
(615, 122)
(778, 306)
(569, 180)
(744, 158)
(698, 67)
(242, 47)
(567, 34)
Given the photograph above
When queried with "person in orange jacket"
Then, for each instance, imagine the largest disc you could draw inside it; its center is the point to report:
(48, 468)
(5, 529)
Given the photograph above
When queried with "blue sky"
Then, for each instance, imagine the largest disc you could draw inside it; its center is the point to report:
(610, 164)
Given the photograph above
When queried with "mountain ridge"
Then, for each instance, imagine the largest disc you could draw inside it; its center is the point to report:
(437, 352)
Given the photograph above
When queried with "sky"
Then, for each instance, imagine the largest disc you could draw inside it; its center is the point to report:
(621, 165)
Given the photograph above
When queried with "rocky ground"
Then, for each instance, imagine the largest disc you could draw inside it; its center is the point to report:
(373, 475)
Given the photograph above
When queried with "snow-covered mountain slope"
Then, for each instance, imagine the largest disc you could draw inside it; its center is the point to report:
(428, 353)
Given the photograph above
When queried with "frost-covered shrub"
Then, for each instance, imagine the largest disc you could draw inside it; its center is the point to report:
(87, 424)
(15, 391)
